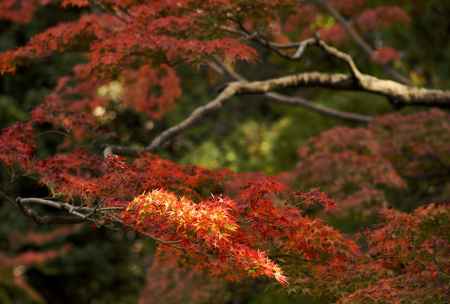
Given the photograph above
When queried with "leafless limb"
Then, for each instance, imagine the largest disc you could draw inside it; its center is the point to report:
(299, 101)
(346, 58)
(75, 214)
(356, 37)
(47, 219)
(397, 93)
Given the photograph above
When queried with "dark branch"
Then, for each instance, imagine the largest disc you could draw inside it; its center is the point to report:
(47, 219)
(75, 214)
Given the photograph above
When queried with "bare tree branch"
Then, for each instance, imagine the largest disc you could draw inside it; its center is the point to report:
(355, 36)
(395, 92)
(75, 214)
(46, 219)
(346, 58)
(299, 101)
(231, 90)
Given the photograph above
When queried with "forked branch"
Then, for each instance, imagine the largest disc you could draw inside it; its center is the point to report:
(356, 37)
(395, 92)
(73, 214)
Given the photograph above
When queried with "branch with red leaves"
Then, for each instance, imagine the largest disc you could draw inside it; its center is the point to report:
(74, 214)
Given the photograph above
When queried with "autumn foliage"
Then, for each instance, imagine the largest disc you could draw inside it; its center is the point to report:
(216, 223)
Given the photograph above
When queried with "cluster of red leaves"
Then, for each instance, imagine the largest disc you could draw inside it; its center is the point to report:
(256, 223)
(79, 174)
(407, 260)
(151, 91)
(382, 17)
(138, 47)
(207, 231)
(309, 19)
(130, 32)
(19, 11)
(77, 107)
(315, 197)
(186, 30)
(416, 144)
(362, 163)
(385, 55)
(17, 144)
(409, 257)
(356, 170)
(270, 222)
(202, 227)
(65, 36)
(236, 237)
(232, 238)
(70, 108)
(70, 174)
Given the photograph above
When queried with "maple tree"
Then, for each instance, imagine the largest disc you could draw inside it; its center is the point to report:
(98, 148)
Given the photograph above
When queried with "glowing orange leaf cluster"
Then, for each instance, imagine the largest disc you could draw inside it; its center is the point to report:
(206, 230)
